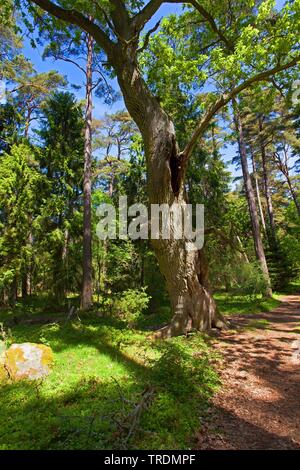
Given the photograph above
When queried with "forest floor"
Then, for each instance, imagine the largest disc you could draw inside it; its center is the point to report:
(111, 387)
(258, 405)
(106, 372)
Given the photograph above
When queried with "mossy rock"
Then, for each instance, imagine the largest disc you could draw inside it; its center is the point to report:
(28, 361)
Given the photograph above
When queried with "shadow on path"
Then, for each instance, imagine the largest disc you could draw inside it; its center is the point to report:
(258, 406)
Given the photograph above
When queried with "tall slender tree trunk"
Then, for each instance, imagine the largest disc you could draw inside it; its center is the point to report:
(87, 284)
(257, 190)
(268, 196)
(258, 245)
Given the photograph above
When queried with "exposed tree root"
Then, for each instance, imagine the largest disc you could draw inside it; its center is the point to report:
(183, 326)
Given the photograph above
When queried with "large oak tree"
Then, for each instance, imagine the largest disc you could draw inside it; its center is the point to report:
(251, 41)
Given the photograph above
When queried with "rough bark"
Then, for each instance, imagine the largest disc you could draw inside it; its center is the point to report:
(258, 245)
(192, 303)
(87, 281)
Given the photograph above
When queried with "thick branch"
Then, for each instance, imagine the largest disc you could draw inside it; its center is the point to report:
(226, 98)
(76, 18)
(120, 19)
(139, 20)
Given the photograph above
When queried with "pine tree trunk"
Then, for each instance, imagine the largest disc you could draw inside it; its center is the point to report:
(87, 284)
(258, 245)
(261, 212)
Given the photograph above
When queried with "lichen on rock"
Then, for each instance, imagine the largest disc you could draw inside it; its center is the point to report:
(28, 361)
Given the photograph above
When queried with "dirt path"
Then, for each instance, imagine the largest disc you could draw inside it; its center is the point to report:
(258, 406)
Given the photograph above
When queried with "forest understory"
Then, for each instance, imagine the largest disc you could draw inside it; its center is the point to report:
(114, 387)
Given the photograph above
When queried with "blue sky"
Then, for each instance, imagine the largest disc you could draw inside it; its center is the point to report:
(74, 76)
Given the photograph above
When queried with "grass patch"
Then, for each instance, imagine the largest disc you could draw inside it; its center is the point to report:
(102, 371)
(243, 304)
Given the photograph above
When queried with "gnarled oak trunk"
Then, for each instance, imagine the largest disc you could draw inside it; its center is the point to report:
(192, 304)
(184, 270)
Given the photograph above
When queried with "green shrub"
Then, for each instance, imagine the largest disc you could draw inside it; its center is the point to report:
(247, 279)
(130, 304)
